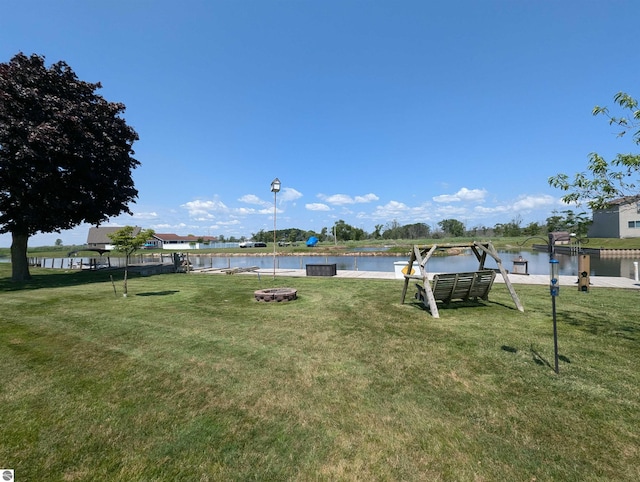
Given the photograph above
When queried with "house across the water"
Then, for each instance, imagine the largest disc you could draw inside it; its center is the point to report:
(621, 219)
(98, 240)
(175, 242)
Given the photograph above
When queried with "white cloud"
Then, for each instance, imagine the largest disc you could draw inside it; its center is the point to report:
(162, 226)
(393, 207)
(523, 204)
(463, 195)
(248, 211)
(422, 213)
(342, 199)
(289, 194)
(204, 210)
(367, 198)
(528, 203)
(268, 211)
(338, 199)
(392, 210)
(252, 199)
(232, 222)
(170, 227)
(144, 215)
(317, 207)
(448, 211)
(492, 210)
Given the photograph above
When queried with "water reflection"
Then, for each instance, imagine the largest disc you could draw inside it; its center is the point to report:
(538, 263)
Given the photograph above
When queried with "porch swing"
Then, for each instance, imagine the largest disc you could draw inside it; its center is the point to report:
(446, 287)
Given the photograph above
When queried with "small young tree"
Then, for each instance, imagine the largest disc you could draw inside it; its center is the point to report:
(128, 243)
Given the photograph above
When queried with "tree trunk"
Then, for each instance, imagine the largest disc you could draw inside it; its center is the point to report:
(19, 263)
(126, 272)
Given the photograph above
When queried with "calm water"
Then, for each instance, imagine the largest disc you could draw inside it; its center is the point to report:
(538, 263)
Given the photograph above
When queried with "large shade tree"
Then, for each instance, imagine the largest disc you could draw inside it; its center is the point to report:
(607, 180)
(65, 154)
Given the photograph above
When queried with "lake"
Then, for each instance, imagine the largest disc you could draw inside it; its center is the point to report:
(538, 262)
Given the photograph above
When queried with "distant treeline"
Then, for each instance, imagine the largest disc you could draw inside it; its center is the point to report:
(341, 231)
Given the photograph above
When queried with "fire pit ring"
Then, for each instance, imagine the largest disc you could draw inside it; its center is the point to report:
(276, 294)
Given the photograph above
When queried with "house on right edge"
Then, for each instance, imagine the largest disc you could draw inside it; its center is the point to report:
(621, 219)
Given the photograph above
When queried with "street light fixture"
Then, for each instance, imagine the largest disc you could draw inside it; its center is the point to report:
(275, 187)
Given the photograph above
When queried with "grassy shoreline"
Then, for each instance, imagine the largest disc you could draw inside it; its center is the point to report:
(189, 378)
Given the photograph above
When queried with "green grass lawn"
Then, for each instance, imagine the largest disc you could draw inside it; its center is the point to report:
(190, 379)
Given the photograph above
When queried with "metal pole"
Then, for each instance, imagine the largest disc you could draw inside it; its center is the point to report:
(555, 333)
(275, 187)
(275, 194)
(554, 266)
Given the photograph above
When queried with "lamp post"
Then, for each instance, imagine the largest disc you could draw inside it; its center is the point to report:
(275, 187)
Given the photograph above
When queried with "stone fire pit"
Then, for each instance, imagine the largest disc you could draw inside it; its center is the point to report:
(276, 294)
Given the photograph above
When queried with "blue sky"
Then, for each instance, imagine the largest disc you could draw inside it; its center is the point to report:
(367, 111)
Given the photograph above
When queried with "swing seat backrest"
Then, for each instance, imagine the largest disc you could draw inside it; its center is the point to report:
(463, 286)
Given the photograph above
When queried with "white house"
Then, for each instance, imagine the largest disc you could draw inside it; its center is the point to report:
(621, 219)
(175, 242)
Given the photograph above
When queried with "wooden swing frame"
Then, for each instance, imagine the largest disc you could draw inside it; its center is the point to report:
(449, 286)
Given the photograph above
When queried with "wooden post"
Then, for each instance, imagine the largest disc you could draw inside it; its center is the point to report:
(416, 255)
(431, 300)
(494, 254)
(412, 258)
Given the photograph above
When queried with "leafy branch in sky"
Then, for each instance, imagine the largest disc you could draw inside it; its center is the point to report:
(605, 180)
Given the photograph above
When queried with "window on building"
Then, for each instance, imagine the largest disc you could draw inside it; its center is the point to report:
(634, 224)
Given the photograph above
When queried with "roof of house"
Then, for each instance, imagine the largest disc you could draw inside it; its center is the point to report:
(164, 237)
(624, 200)
(100, 235)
